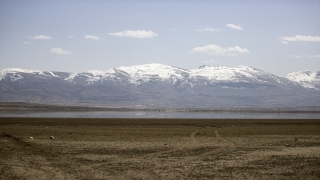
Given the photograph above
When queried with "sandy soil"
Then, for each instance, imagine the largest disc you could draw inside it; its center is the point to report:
(159, 149)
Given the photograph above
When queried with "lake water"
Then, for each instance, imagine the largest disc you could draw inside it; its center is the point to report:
(184, 115)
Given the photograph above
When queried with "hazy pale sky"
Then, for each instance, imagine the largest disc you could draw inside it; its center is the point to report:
(71, 35)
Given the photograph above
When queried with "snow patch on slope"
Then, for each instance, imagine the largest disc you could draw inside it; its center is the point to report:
(52, 74)
(71, 77)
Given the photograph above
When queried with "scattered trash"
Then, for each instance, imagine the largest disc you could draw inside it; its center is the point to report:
(51, 137)
(287, 144)
(31, 137)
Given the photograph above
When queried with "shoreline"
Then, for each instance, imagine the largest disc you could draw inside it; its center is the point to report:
(33, 107)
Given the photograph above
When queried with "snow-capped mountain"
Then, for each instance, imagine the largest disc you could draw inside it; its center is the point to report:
(15, 74)
(156, 85)
(306, 79)
(152, 73)
(240, 74)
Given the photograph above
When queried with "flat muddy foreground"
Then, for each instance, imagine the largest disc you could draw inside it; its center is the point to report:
(159, 149)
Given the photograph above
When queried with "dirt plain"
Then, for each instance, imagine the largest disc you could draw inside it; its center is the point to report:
(159, 149)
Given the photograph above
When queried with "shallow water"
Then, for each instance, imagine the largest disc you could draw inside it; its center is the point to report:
(184, 115)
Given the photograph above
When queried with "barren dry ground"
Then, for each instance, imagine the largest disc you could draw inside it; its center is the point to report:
(159, 149)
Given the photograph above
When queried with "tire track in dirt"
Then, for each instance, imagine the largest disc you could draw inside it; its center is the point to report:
(29, 150)
(230, 145)
(60, 165)
(194, 140)
(56, 162)
(226, 146)
(150, 172)
(70, 167)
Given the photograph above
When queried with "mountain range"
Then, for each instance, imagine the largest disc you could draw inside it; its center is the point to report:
(158, 85)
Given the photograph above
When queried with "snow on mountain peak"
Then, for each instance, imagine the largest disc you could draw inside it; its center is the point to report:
(306, 79)
(15, 70)
(301, 76)
(148, 71)
(101, 73)
(165, 73)
(222, 73)
(14, 73)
